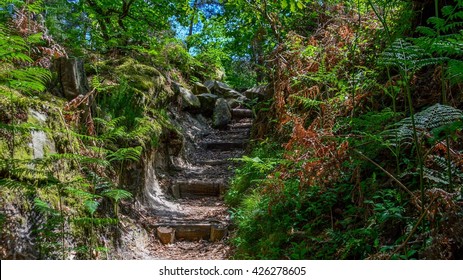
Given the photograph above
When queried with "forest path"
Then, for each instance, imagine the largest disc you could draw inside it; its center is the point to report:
(199, 230)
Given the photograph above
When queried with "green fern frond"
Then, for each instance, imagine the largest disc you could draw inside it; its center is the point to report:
(407, 57)
(126, 154)
(91, 206)
(24, 128)
(435, 176)
(117, 194)
(434, 117)
(111, 124)
(447, 11)
(14, 184)
(437, 22)
(83, 137)
(456, 16)
(437, 172)
(26, 172)
(307, 103)
(99, 182)
(32, 78)
(80, 158)
(427, 31)
(44, 208)
(35, 7)
(81, 193)
(425, 121)
(455, 71)
(13, 48)
(100, 222)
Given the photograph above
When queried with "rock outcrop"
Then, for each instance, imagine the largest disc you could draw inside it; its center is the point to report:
(71, 77)
(187, 99)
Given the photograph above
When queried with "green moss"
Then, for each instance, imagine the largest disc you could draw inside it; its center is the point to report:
(145, 81)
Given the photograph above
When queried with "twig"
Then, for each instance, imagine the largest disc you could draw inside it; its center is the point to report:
(388, 174)
(414, 228)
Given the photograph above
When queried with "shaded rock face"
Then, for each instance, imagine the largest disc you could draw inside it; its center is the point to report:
(199, 88)
(187, 99)
(207, 103)
(217, 87)
(258, 92)
(40, 142)
(71, 77)
(222, 115)
(223, 90)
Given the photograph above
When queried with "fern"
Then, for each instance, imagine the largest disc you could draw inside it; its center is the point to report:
(426, 121)
(99, 182)
(91, 206)
(13, 49)
(307, 103)
(445, 39)
(438, 172)
(455, 71)
(101, 222)
(407, 57)
(124, 154)
(14, 184)
(116, 194)
(79, 158)
(44, 208)
(30, 79)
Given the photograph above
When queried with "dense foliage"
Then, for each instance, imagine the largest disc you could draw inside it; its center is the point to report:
(369, 121)
(357, 143)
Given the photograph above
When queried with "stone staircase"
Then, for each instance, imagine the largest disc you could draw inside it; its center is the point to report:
(199, 190)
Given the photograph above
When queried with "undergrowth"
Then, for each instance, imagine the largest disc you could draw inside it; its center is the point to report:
(366, 168)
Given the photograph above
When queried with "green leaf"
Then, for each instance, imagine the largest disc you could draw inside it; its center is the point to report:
(117, 194)
(292, 6)
(284, 4)
(91, 206)
(43, 207)
(35, 38)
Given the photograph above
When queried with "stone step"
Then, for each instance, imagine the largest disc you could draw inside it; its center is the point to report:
(237, 135)
(240, 125)
(191, 231)
(238, 114)
(235, 132)
(196, 188)
(214, 162)
(226, 146)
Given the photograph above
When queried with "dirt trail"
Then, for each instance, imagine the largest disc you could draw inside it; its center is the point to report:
(199, 190)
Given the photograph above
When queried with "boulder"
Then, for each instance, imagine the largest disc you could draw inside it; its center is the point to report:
(233, 103)
(232, 94)
(209, 84)
(256, 92)
(187, 99)
(207, 101)
(199, 88)
(222, 115)
(220, 89)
